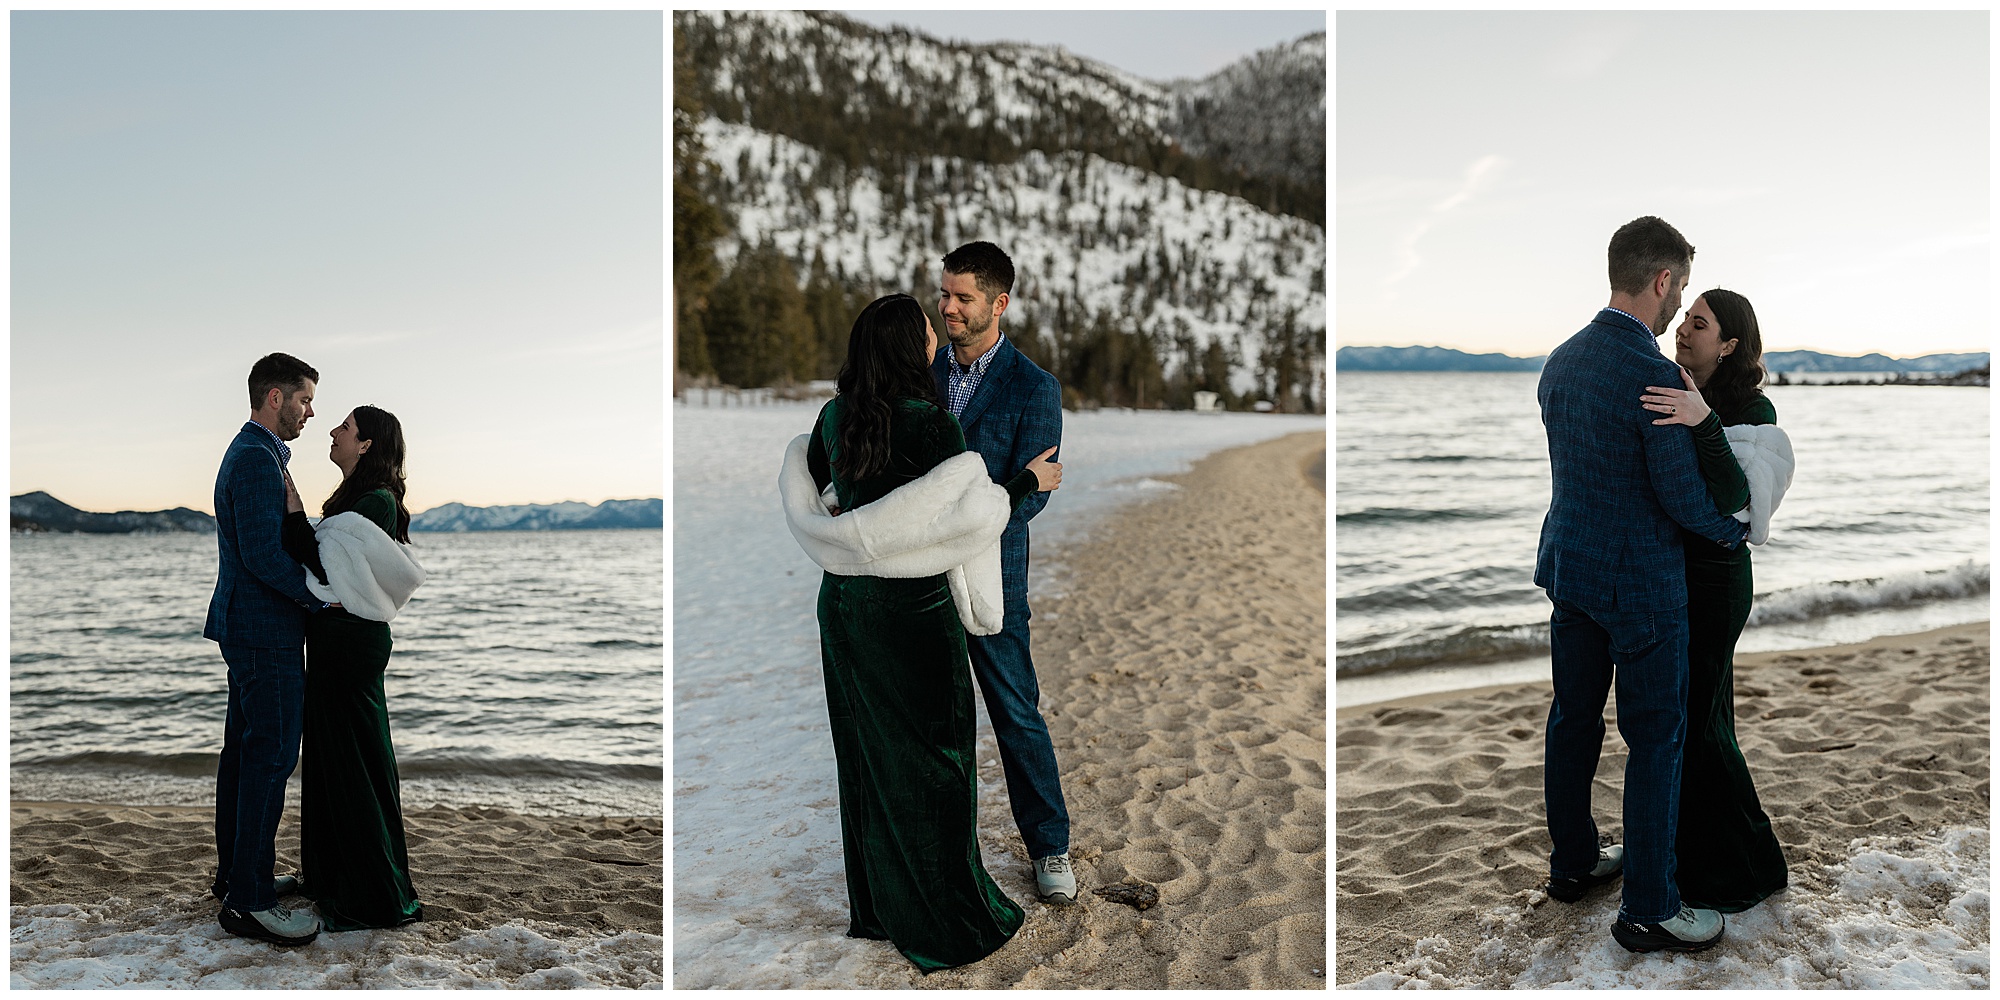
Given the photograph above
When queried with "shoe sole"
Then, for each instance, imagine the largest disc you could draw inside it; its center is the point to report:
(1056, 898)
(249, 927)
(1643, 943)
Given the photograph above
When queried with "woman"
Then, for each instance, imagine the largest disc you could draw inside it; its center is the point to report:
(898, 684)
(1729, 860)
(355, 865)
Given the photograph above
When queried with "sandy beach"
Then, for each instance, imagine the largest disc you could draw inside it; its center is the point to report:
(117, 896)
(1871, 760)
(1184, 681)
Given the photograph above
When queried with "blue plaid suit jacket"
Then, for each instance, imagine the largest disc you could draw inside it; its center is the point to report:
(260, 592)
(1015, 415)
(1623, 487)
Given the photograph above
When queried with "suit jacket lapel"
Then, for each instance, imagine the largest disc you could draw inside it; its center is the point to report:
(998, 374)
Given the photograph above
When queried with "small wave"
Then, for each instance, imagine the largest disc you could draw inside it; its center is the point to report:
(1466, 458)
(622, 644)
(1819, 600)
(36, 657)
(1412, 515)
(1479, 586)
(1798, 604)
(202, 764)
(186, 765)
(1479, 644)
(450, 765)
(1913, 525)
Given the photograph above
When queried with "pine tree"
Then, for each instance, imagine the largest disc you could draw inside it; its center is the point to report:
(832, 318)
(697, 225)
(760, 334)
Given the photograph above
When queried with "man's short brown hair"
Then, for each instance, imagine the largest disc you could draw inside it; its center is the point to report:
(283, 372)
(991, 269)
(1643, 248)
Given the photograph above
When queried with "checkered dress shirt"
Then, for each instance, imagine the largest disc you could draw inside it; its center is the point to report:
(284, 450)
(963, 380)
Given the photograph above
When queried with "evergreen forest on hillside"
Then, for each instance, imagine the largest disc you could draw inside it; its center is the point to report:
(775, 312)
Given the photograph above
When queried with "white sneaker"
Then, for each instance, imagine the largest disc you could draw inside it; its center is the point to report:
(277, 925)
(1688, 930)
(1055, 880)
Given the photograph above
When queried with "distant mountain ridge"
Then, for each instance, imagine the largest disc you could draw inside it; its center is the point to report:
(1445, 359)
(1814, 361)
(1429, 359)
(572, 515)
(38, 512)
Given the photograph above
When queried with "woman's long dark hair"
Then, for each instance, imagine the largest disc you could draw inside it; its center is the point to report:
(885, 364)
(1734, 382)
(380, 467)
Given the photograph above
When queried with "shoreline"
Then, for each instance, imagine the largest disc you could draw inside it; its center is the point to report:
(1347, 711)
(1870, 758)
(1183, 678)
(1845, 629)
(108, 895)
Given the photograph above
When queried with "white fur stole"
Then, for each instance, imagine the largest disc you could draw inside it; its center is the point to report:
(1765, 453)
(949, 520)
(367, 572)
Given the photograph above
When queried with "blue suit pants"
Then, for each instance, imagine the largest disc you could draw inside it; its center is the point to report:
(1006, 678)
(1646, 654)
(260, 748)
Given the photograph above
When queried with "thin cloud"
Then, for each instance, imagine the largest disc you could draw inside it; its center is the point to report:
(1478, 177)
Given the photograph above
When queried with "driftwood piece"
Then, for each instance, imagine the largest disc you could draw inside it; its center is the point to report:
(1138, 896)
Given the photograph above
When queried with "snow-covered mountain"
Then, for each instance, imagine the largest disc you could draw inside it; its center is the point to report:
(1815, 361)
(1265, 114)
(543, 517)
(1182, 211)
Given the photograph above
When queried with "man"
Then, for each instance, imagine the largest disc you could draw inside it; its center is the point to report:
(258, 617)
(1011, 412)
(1610, 559)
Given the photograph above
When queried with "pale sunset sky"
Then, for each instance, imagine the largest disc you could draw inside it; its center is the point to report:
(1833, 167)
(454, 216)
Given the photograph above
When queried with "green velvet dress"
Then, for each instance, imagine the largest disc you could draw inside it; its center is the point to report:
(899, 698)
(1728, 857)
(354, 863)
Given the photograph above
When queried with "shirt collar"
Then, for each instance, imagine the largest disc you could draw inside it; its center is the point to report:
(284, 450)
(979, 364)
(1635, 319)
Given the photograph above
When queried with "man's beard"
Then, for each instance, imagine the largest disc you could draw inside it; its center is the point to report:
(289, 424)
(968, 335)
(1667, 310)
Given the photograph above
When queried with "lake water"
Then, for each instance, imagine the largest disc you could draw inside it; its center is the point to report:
(1442, 480)
(526, 672)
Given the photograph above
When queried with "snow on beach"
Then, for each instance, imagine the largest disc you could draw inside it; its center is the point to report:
(118, 897)
(1908, 912)
(759, 889)
(116, 945)
(1871, 760)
